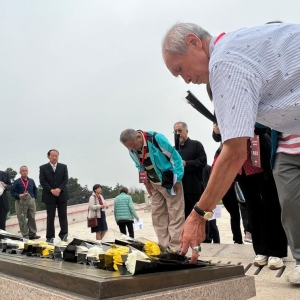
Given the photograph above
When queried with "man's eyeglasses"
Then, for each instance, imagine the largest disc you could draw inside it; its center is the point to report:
(178, 131)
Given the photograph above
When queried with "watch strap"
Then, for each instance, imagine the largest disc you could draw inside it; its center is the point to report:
(199, 211)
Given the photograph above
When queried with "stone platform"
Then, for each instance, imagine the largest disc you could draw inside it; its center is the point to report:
(91, 283)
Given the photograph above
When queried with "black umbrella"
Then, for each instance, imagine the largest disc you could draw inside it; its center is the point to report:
(192, 100)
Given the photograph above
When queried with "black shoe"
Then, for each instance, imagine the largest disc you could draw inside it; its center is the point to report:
(49, 240)
(34, 237)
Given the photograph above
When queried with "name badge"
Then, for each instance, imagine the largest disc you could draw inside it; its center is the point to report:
(255, 151)
(143, 177)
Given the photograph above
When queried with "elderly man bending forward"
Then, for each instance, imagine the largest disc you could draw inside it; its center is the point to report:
(161, 170)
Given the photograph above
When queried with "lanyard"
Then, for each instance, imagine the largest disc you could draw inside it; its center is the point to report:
(144, 149)
(25, 184)
(219, 37)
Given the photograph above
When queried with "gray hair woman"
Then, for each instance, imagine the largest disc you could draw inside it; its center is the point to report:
(124, 212)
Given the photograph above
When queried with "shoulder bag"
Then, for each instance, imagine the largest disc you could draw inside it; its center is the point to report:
(92, 222)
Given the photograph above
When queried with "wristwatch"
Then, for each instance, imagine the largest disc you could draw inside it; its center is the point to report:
(206, 215)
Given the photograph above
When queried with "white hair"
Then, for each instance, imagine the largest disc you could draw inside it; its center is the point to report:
(128, 134)
(174, 40)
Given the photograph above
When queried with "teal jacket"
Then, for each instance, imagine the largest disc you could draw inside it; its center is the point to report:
(123, 208)
(159, 157)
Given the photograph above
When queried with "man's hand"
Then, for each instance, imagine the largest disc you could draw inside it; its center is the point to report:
(58, 190)
(184, 163)
(149, 188)
(22, 195)
(55, 192)
(216, 128)
(176, 187)
(3, 184)
(192, 235)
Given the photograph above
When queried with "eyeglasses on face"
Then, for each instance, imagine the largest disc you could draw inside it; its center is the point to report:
(178, 131)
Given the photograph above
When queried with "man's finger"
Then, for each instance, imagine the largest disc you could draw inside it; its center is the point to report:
(184, 248)
(194, 258)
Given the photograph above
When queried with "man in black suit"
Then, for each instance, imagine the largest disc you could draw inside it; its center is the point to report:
(4, 207)
(194, 160)
(54, 179)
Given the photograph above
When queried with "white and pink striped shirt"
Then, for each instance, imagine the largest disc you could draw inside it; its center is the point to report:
(289, 144)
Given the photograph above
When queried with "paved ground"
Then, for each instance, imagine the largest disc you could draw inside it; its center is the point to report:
(80, 229)
(269, 284)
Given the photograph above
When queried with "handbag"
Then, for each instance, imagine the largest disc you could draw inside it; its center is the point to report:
(92, 222)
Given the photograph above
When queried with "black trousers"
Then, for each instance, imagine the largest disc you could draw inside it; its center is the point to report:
(62, 216)
(3, 214)
(232, 206)
(264, 212)
(190, 199)
(129, 224)
(214, 231)
(245, 219)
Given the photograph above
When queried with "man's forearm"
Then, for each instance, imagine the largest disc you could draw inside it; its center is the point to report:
(228, 164)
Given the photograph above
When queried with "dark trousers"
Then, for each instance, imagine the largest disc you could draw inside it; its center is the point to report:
(232, 206)
(244, 214)
(214, 231)
(62, 216)
(264, 212)
(190, 199)
(3, 214)
(122, 225)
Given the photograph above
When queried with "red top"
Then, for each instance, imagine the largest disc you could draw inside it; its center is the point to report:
(99, 199)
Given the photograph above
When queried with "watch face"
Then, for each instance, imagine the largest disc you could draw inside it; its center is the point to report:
(208, 215)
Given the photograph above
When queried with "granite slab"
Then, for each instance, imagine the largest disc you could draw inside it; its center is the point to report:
(100, 284)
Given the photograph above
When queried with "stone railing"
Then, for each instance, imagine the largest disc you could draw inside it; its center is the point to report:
(76, 213)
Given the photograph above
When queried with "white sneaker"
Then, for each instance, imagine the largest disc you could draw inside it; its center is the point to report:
(294, 276)
(260, 260)
(275, 263)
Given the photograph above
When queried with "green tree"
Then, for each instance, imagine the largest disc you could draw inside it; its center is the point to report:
(109, 192)
(39, 204)
(106, 191)
(11, 201)
(11, 174)
(116, 191)
(73, 190)
(138, 195)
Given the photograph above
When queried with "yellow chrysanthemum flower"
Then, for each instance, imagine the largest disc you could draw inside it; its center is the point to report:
(117, 256)
(151, 248)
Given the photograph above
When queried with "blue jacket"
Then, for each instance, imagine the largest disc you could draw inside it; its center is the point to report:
(123, 208)
(18, 188)
(159, 159)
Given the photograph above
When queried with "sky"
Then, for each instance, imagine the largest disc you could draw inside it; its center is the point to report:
(74, 74)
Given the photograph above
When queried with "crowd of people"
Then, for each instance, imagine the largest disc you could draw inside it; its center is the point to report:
(53, 179)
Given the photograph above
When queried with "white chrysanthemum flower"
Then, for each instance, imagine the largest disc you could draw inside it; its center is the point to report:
(133, 257)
